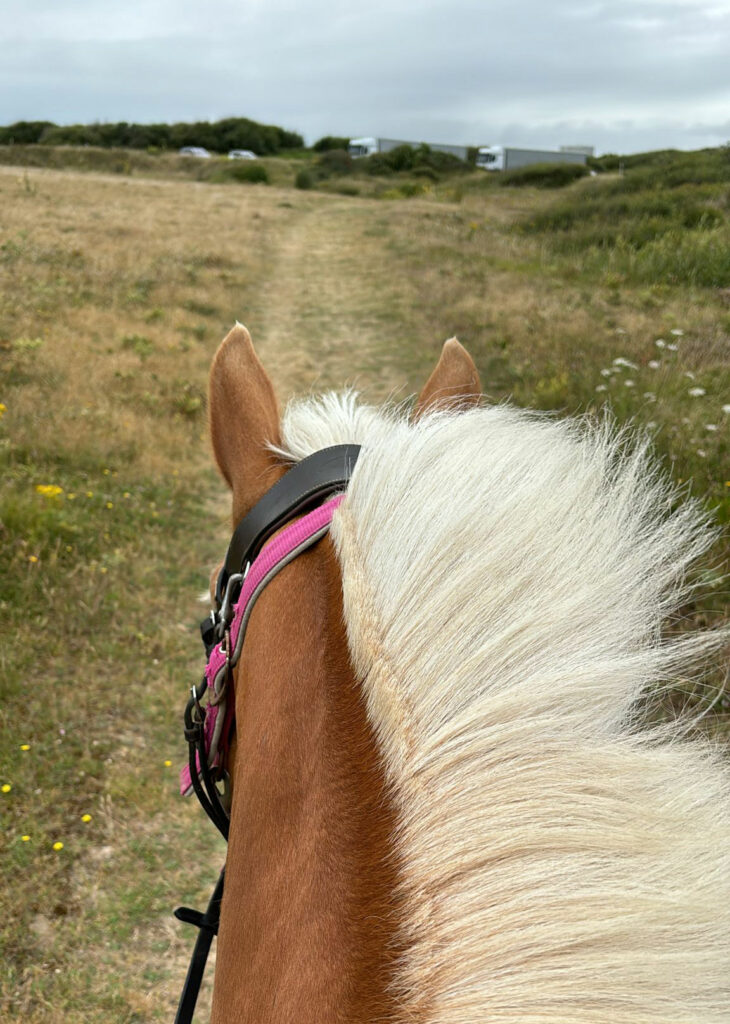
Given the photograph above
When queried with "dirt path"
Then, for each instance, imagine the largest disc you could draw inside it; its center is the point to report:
(327, 311)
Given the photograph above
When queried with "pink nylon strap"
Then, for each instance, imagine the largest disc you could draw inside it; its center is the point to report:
(277, 553)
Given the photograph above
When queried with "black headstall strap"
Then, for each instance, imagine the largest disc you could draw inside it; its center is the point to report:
(302, 488)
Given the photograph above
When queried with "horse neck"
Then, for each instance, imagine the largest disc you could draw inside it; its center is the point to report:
(308, 919)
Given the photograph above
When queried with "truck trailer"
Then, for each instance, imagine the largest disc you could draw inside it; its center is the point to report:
(369, 145)
(507, 158)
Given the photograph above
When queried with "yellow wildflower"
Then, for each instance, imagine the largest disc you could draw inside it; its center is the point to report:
(32, 558)
(25, 839)
(127, 494)
(25, 746)
(6, 787)
(49, 490)
(70, 496)
(3, 409)
(107, 472)
(110, 504)
(168, 764)
(89, 494)
(103, 569)
(57, 846)
(86, 818)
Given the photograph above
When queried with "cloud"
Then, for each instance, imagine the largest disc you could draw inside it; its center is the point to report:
(623, 75)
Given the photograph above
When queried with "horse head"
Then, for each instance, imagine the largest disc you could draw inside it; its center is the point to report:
(443, 809)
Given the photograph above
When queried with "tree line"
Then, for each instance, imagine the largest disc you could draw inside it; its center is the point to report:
(218, 136)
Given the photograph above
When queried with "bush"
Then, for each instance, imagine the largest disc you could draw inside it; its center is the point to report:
(304, 179)
(328, 142)
(334, 162)
(649, 235)
(248, 172)
(544, 175)
(408, 158)
(667, 167)
(221, 171)
(218, 136)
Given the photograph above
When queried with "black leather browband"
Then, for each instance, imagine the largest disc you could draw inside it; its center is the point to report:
(303, 487)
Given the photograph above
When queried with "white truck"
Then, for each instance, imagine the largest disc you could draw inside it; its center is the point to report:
(369, 145)
(507, 158)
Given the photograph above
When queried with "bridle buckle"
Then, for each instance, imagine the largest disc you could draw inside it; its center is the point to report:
(225, 615)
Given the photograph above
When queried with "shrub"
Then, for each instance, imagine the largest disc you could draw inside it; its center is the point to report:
(649, 235)
(544, 175)
(408, 158)
(218, 136)
(249, 172)
(333, 162)
(304, 179)
(328, 142)
(230, 170)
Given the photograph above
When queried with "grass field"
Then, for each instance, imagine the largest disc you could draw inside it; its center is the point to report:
(116, 289)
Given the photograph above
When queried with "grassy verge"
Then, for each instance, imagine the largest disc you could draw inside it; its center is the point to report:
(110, 518)
(137, 163)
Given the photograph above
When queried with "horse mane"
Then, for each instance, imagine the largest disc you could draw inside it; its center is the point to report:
(506, 578)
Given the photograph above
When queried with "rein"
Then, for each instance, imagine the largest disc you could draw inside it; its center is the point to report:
(310, 490)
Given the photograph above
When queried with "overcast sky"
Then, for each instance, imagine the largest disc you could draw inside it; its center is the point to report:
(621, 75)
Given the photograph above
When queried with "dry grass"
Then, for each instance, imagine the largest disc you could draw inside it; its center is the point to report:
(115, 293)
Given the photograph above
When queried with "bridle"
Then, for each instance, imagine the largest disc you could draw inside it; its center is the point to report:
(291, 517)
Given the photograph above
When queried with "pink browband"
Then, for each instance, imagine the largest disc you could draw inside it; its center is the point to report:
(277, 553)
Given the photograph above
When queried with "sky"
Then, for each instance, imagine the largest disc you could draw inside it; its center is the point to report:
(624, 76)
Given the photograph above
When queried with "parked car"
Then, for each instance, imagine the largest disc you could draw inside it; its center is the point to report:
(195, 151)
(242, 154)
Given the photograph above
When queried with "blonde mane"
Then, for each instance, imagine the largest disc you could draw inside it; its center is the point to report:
(506, 577)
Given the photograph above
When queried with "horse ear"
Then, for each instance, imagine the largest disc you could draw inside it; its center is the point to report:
(244, 420)
(454, 383)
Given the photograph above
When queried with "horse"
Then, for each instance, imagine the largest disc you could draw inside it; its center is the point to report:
(446, 804)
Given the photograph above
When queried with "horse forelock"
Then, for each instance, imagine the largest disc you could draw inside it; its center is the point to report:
(505, 577)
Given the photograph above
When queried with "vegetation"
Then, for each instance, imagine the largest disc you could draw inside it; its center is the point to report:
(641, 229)
(304, 179)
(241, 170)
(669, 167)
(330, 142)
(544, 175)
(217, 136)
(114, 294)
(408, 158)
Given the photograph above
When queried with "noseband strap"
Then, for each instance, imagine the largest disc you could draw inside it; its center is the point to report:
(250, 564)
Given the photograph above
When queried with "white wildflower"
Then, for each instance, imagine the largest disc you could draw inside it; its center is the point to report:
(702, 453)
(651, 424)
(654, 364)
(606, 373)
(620, 330)
(625, 362)
(629, 384)
(712, 427)
(601, 387)
(696, 392)
(689, 375)
(660, 343)
(676, 332)
(726, 409)
(672, 348)
(650, 396)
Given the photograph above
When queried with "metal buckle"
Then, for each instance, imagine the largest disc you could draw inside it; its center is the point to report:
(226, 613)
